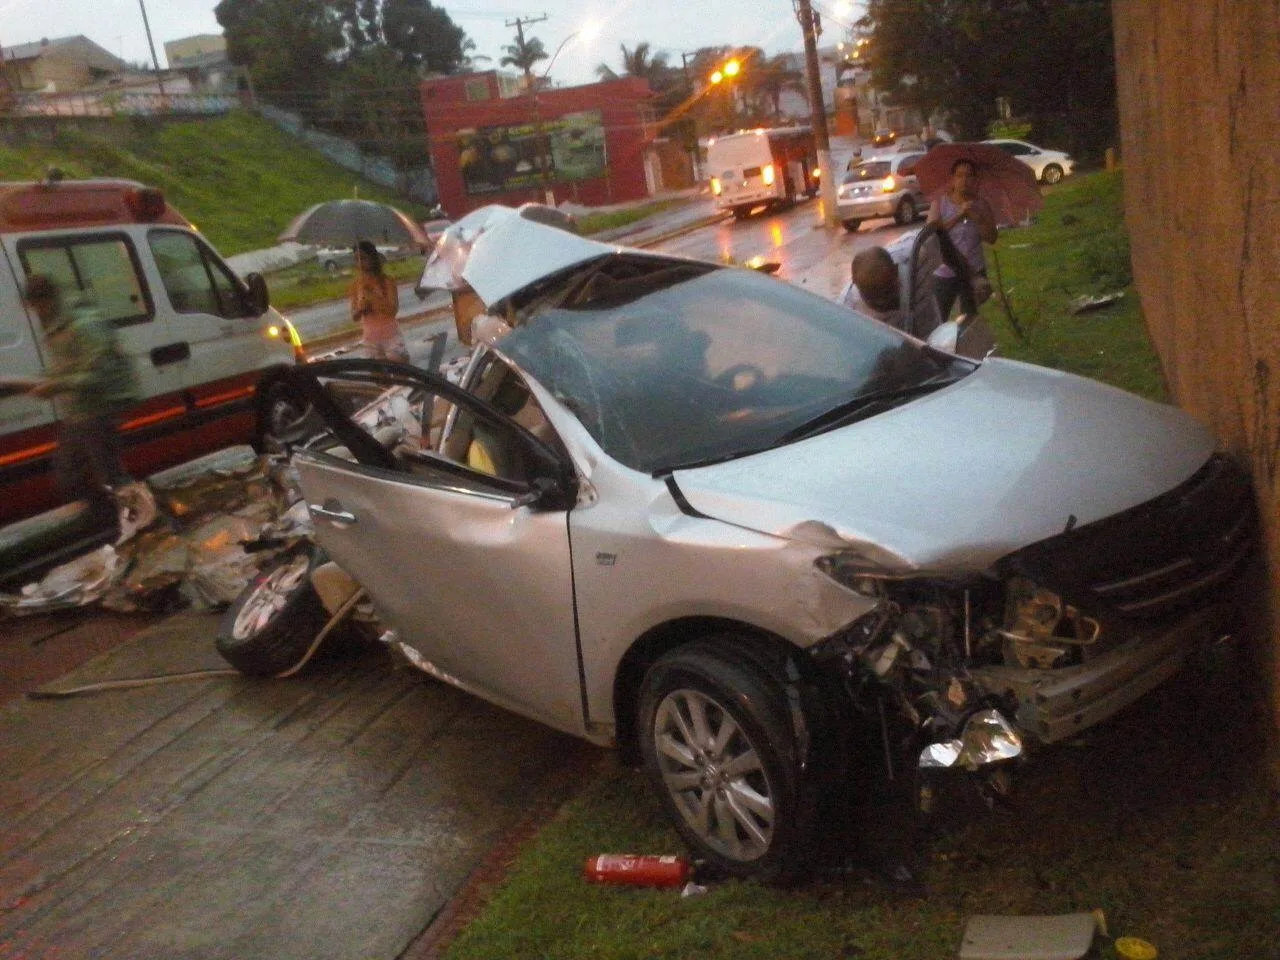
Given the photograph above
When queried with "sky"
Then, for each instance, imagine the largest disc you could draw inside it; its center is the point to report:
(670, 25)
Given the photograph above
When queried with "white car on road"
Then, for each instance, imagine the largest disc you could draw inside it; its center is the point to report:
(1050, 166)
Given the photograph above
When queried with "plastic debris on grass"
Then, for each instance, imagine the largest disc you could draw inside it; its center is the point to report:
(1095, 301)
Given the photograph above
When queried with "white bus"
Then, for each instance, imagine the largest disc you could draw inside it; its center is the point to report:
(765, 166)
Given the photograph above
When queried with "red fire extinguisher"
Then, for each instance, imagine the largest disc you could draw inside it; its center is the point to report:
(637, 870)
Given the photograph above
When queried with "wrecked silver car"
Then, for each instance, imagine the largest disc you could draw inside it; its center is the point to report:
(719, 522)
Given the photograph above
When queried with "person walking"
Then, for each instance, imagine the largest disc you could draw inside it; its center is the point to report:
(374, 305)
(967, 221)
(92, 382)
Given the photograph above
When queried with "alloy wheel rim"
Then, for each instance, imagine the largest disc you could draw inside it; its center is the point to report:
(714, 775)
(270, 597)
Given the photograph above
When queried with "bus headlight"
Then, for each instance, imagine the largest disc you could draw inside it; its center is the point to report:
(715, 186)
(768, 174)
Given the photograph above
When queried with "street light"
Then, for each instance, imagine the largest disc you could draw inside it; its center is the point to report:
(587, 31)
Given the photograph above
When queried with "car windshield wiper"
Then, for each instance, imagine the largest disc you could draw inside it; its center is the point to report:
(846, 411)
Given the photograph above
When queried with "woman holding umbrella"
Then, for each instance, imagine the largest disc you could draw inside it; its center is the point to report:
(968, 221)
(374, 305)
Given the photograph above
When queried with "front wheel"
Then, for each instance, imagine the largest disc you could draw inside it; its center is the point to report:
(741, 213)
(720, 750)
(852, 224)
(1051, 174)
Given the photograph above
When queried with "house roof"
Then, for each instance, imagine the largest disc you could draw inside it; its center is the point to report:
(88, 51)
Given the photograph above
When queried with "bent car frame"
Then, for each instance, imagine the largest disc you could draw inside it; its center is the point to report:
(707, 517)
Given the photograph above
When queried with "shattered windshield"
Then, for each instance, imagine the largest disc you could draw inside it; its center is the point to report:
(696, 364)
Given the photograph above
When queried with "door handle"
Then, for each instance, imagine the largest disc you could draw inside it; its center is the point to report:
(170, 353)
(332, 512)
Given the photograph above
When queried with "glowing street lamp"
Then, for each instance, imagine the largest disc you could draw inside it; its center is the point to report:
(732, 68)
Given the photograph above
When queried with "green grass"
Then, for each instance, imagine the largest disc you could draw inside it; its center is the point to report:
(599, 222)
(1077, 246)
(238, 178)
(1161, 818)
(308, 283)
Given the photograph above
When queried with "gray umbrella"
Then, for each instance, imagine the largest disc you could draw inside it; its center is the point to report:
(342, 223)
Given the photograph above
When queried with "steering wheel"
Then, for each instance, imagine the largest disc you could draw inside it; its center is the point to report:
(741, 377)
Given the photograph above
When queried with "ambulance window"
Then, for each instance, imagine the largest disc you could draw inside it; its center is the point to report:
(95, 272)
(194, 279)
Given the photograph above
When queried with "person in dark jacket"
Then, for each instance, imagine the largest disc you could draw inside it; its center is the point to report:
(92, 382)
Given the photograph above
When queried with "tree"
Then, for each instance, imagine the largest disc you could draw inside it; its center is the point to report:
(424, 37)
(524, 53)
(290, 47)
(1053, 59)
(771, 77)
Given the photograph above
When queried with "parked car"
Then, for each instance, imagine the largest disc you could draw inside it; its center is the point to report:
(1050, 166)
(756, 540)
(336, 259)
(881, 186)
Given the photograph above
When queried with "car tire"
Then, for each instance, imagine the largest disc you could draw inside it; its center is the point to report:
(331, 267)
(1051, 174)
(743, 801)
(905, 212)
(852, 224)
(273, 623)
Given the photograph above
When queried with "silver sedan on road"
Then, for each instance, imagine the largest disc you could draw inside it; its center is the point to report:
(759, 541)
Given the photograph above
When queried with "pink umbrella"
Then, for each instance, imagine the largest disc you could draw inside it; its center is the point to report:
(1004, 181)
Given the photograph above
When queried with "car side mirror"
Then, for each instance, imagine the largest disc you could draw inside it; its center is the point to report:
(945, 336)
(259, 299)
(543, 492)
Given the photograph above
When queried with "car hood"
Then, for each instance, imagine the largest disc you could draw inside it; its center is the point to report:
(498, 252)
(1008, 456)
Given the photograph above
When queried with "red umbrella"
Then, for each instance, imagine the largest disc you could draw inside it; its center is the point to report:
(1004, 181)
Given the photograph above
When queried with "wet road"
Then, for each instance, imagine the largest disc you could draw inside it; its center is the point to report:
(811, 255)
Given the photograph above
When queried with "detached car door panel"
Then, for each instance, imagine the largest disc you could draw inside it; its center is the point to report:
(471, 569)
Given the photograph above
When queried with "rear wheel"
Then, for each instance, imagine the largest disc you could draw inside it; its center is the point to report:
(722, 753)
(1051, 174)
(852, 224)
(905, 212)
(272, 624)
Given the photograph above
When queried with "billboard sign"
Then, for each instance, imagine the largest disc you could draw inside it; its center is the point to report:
(497, 159)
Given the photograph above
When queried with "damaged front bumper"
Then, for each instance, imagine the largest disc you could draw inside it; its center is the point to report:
(1054, 704)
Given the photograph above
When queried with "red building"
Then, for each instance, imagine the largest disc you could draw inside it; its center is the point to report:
(586, 144)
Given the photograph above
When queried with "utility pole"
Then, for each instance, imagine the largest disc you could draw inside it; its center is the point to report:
(818, 110)
(155, 61)
(531, 85)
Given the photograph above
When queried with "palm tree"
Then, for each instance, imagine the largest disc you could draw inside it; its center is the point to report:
(640, 62)
(524, 53)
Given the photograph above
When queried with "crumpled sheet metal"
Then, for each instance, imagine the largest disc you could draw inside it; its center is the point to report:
(218, 483)
(77, 583)
(183, 533)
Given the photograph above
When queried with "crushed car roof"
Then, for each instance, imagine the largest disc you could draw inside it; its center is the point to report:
(497, 252)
